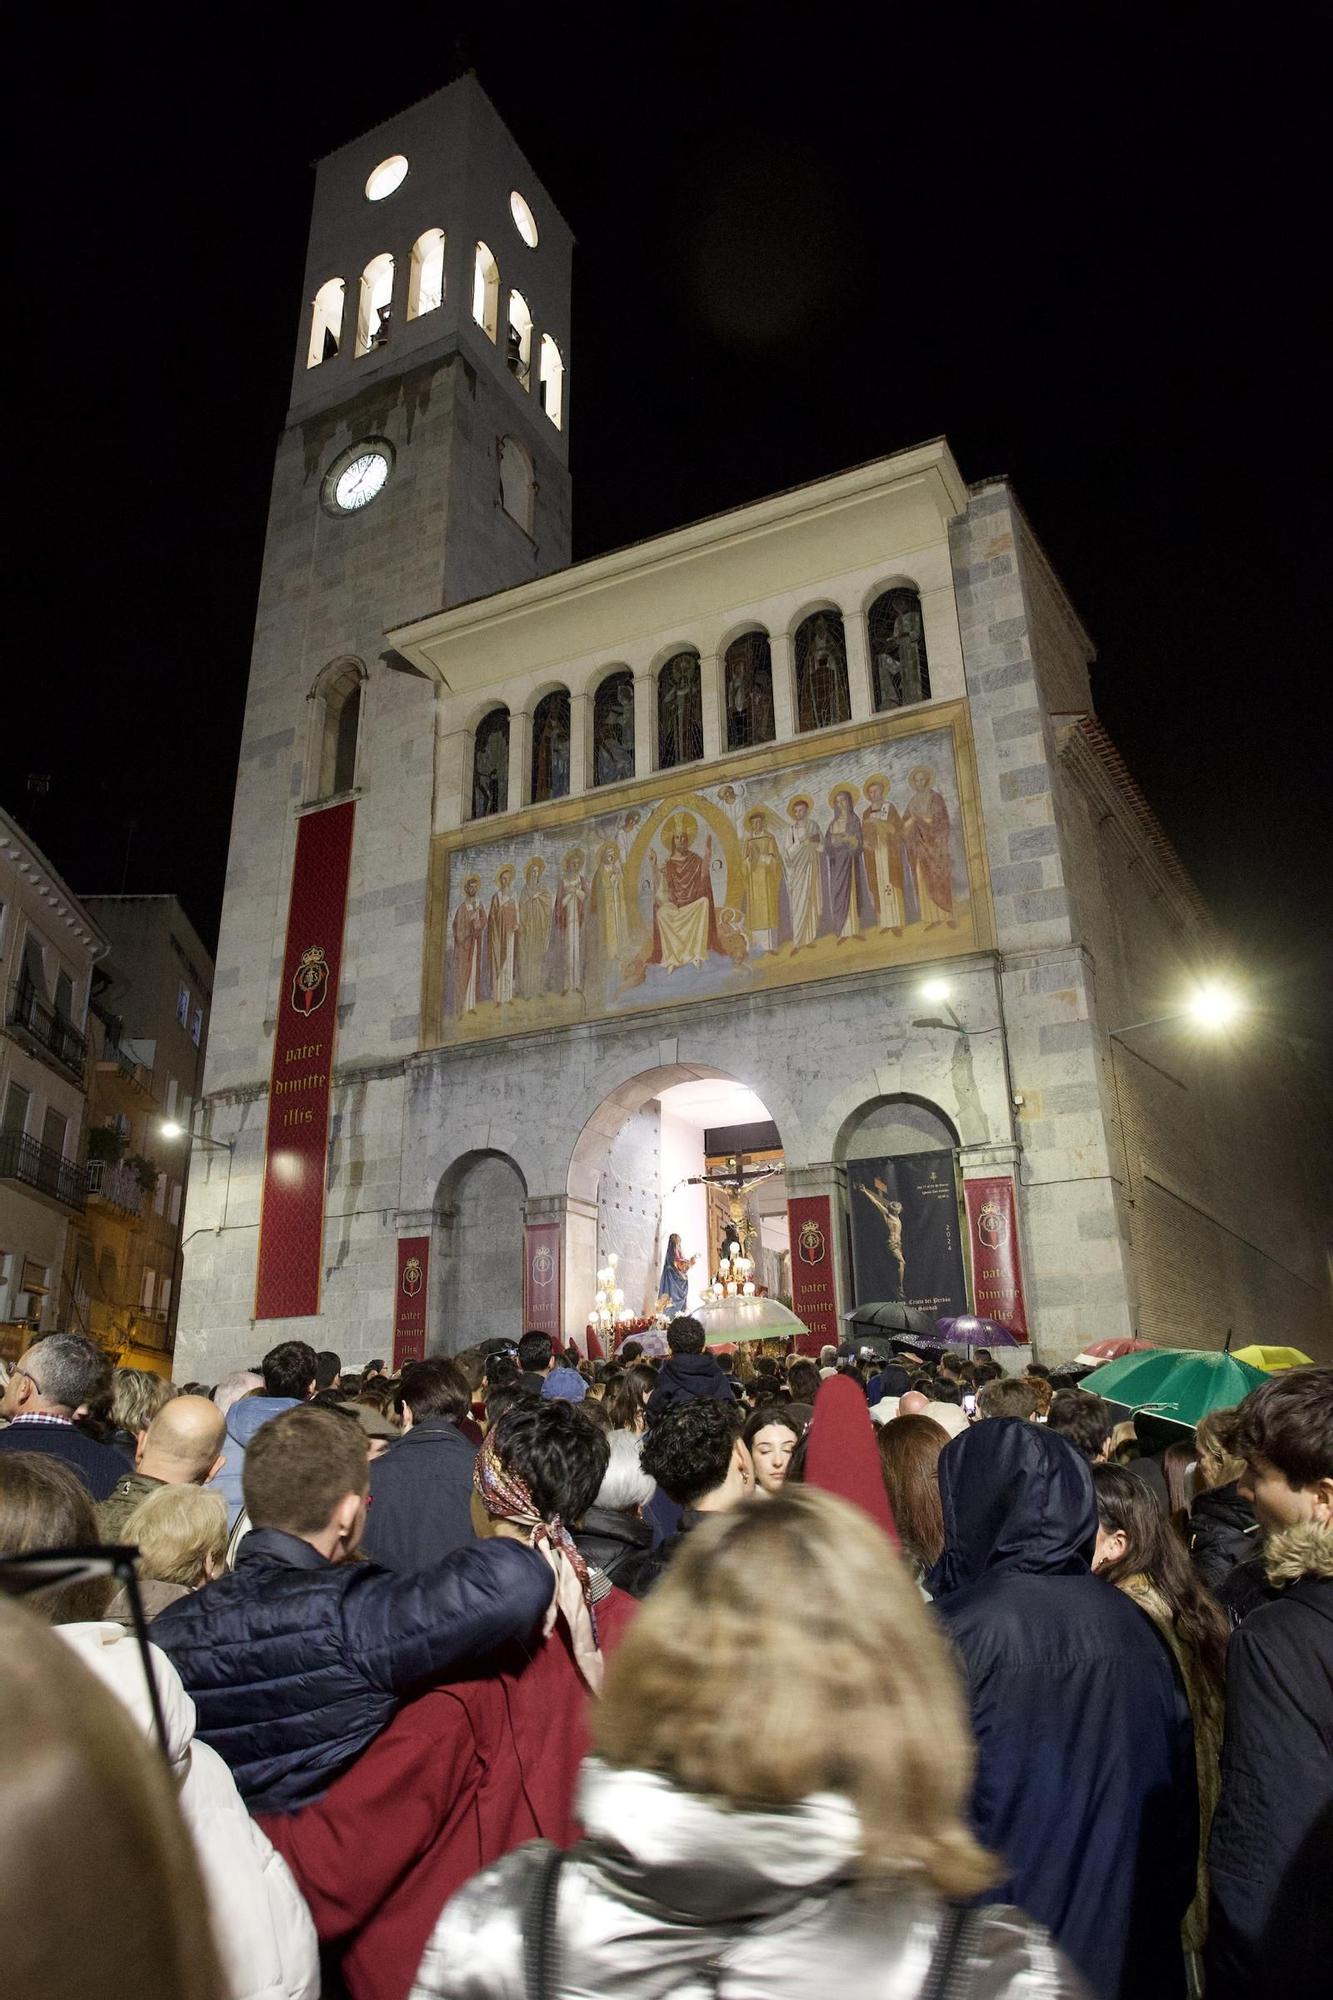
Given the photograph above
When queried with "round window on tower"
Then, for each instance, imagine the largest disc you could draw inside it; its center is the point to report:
(525, 222)
(388, 175)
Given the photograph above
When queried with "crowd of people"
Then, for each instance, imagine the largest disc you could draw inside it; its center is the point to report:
(513, 1676)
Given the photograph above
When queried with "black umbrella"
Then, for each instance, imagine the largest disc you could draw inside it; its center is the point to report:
(890, 1316)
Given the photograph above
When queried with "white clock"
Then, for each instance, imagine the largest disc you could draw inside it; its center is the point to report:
(356, 477)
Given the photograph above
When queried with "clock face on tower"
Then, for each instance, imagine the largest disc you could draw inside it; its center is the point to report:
(356, 477)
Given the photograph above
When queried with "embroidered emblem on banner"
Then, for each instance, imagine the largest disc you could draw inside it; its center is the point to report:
(990, 1225)
(543, 1266)
(310, 982)
(412, 1277)
(812, 1247)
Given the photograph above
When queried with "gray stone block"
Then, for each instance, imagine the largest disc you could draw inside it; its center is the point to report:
(1043, 906)
(1028, 782)
(1057, 1038)
(992, 678)
(1007, 881)
(1019, 722)
(1034, 841)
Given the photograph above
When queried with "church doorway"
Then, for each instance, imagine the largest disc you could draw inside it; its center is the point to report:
(904, 1205)
(479, 1214)
(677, 1152)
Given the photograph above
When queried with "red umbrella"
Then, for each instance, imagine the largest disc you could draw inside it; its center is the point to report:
(1111, 1350)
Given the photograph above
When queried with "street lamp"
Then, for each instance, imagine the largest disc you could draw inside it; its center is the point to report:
(171, 1128)
(938, 991)
(1211, 1004)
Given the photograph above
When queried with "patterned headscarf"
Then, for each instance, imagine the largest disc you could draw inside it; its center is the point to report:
(506, 1498)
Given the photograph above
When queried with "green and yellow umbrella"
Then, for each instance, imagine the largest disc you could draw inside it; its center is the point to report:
(1181, 1384)
(1272, 1360)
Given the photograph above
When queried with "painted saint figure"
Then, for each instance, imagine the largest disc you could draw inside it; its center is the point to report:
(882, 833)
(676, 1267)
(469, 932)
(502, 937)
(763, 882)
(684, 919)
(571, 904)
(926, 830)
(892, 1212)
(802, 860)
(534, 930)
(609, 926)
(849, 894)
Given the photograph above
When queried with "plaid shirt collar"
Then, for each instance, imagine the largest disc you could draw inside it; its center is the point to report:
(41, 1417)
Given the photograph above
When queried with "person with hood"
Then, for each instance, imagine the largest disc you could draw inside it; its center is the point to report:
(1222, 1531)
(289, 1379)
(466, 1772)
(301, 1655)
(1270, 1934)
(1085, 1769)
(263, 1930)
(727, 1850)
(688, 1372)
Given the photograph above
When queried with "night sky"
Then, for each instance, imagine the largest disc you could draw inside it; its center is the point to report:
(1082, 242)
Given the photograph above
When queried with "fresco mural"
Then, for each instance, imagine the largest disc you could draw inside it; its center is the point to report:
(769, 872)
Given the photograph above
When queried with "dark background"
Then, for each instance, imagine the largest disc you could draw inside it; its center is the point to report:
(1083, 241)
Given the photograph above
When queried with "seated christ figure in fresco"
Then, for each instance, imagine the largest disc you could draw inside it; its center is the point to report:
(684, 918)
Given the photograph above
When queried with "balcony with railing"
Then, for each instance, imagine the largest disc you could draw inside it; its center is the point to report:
(116, 1186)
(42, 1169)
(123, 1081)
(45, 1032)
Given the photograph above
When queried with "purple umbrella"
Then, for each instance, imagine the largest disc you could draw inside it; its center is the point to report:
(969, 1331)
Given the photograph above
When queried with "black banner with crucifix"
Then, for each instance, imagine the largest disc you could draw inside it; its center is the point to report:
(906, 1239)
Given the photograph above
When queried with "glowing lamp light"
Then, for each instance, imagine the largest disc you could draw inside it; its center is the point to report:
(1212, 1005)
(935, 989)
(171, 1129)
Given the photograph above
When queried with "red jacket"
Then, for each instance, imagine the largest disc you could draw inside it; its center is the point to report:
(460, 1776)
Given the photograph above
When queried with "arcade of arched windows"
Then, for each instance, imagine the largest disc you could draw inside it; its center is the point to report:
(502, 317)
(759, 687)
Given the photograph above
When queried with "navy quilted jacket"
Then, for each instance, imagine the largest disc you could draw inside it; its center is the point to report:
(295, 1663)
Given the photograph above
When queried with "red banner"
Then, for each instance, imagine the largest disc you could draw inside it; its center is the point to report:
(291, 1222)
(541, 1278)
(409, 1301)
(814, 1292)
(997, 1276)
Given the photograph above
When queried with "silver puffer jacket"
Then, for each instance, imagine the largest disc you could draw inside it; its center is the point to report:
(675, 1897)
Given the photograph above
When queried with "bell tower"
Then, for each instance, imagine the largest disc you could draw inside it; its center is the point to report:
(424, 461)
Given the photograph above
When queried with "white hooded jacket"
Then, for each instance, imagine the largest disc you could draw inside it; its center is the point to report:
(263, 1930)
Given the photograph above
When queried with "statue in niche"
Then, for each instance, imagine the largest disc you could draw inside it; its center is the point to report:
(490, 764)
(680, 725)
(613, 730)
(550, 747)
(898, 650)
(749, 691)
(821, 672)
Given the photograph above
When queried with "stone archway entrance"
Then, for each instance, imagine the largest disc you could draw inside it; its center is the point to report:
(637, 1174)
(479, 1213)
(899, 1164)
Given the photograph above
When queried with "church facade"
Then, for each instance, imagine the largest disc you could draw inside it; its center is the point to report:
(807, 803)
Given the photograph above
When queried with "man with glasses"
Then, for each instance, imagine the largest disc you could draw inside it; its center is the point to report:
(54, 1378)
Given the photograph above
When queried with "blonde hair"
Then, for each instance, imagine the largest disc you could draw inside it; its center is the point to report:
(77, 1779)
(176, 1529)
(855, 1692)
(1215, 1455)
(136, 1397)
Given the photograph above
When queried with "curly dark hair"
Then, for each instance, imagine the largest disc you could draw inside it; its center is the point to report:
(1082, 1417)
(1289, 1421)
(685, 1335)
(559, 1454)
(689, 1448)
